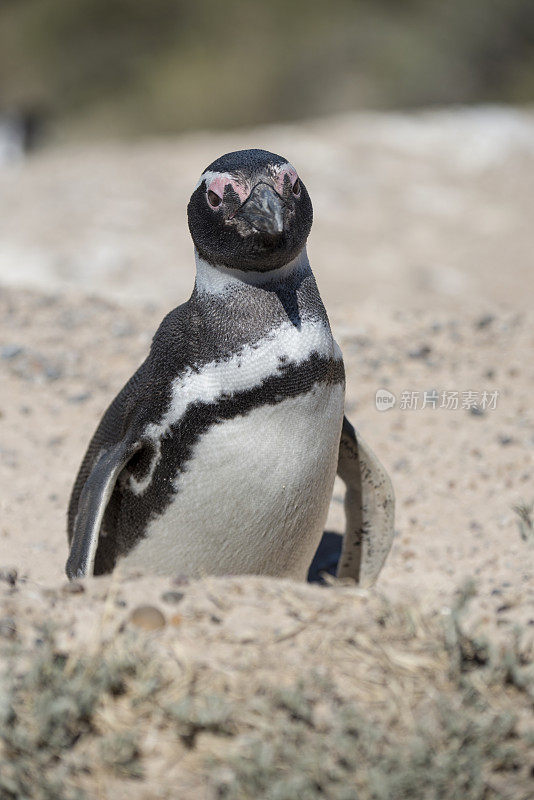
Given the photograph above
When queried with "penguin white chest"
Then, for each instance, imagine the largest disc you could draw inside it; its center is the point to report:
(254, 494)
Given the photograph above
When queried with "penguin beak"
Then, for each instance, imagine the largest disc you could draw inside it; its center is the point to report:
(264, 210)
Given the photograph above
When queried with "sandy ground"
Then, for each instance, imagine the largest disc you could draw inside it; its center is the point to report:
(422, 247)
(457, 474)
(68, 349)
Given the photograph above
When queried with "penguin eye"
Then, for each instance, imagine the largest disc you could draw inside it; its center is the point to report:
(296, 188)
(213, 199)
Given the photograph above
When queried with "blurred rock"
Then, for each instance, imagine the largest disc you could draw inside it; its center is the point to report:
(148, 618)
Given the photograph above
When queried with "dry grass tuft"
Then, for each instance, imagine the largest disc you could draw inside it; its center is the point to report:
(358, 699)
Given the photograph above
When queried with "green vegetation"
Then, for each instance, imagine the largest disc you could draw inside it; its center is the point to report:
(121, 66)
(449, 758)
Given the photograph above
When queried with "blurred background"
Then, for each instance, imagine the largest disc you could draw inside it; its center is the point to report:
(410, 121)
(124, 67)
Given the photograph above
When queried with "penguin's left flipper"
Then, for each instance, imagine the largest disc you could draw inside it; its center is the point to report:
(369, 509)
(92, 504)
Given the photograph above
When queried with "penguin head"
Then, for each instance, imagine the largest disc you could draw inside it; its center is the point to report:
(250, 211)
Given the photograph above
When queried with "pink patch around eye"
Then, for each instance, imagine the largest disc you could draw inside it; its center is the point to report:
(291, 173)
(219, 182)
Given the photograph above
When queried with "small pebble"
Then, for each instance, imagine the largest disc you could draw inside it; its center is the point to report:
(423, 351)
(53, 372)
(79, 398)
(485, 321)
(8, 628)
(9, 575)
(180, 580)
(172, 597)
(505, 440)
(148, 618)
(10, 351)
(476, 411)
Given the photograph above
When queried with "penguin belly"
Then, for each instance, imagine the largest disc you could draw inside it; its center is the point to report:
(254, 496)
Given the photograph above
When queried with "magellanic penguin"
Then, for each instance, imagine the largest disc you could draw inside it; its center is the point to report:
(219, 455)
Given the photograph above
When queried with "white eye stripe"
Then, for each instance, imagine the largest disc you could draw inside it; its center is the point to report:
(208, 176)
(287, 167)
(284, 166)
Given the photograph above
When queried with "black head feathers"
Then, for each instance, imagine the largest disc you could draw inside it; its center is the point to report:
(250, 211)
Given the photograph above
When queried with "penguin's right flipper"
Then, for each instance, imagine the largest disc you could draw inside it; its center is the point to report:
(92, 504)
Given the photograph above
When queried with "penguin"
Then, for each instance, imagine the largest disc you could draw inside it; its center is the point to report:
(219, 454)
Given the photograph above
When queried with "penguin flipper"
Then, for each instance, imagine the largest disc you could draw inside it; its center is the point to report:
(369, 509)
(92, 504)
